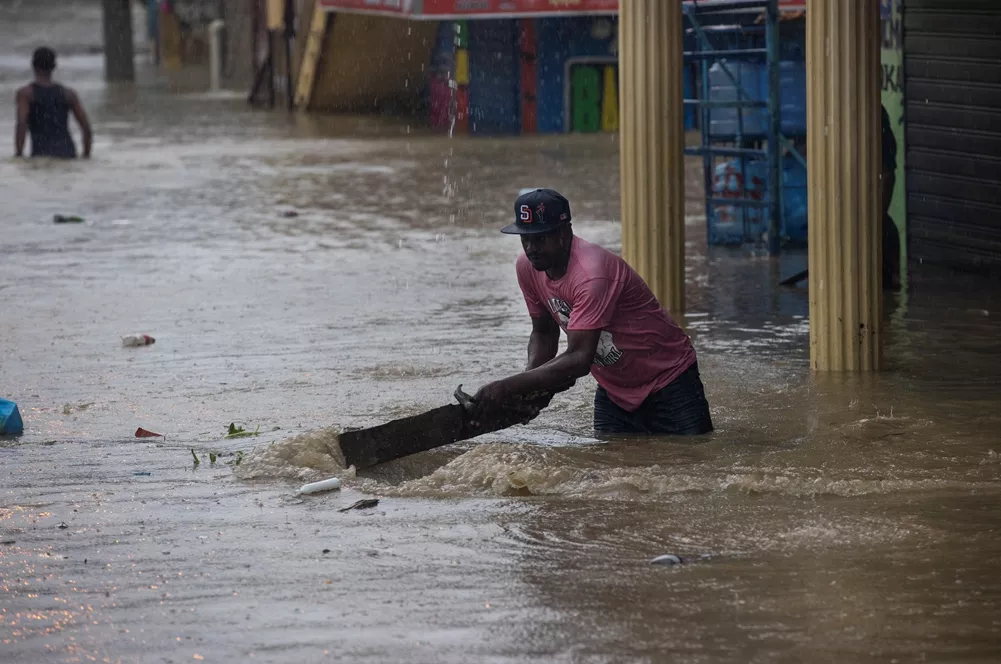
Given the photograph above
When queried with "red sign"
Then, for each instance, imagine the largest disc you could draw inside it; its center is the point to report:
(517, 7)
(439, 9)
(454, 8)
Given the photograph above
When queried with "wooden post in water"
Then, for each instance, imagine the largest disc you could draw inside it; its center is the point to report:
(119, 52)
(652, 141)
(843, 153)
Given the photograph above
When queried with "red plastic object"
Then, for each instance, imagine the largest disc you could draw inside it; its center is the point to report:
(462, 110)
(441, 98)
(142, 433)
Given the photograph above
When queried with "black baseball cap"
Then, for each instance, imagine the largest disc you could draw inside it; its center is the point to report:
(539, 211)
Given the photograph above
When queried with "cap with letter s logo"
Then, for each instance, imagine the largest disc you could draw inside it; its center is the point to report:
(539, 211)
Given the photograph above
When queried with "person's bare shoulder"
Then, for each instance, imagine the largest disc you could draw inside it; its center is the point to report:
(23, 93)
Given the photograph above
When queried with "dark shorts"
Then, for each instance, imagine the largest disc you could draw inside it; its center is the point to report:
(679, 409)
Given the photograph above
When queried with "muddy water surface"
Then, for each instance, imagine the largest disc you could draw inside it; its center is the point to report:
(304, 275)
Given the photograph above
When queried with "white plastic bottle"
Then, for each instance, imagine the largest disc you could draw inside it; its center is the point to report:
(137, 340)
(331, 484)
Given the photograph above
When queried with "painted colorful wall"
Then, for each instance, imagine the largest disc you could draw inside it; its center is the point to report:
(559, 40)
(548, 75)
(494, 77)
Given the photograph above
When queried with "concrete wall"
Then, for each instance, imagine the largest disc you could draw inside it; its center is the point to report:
(373, 63)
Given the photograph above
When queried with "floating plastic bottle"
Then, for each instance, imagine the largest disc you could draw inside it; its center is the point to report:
(137, 340)
(331, 484)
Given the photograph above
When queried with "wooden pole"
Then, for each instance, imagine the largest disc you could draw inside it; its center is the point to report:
(289, 35)
(271, 69)
(119, 51)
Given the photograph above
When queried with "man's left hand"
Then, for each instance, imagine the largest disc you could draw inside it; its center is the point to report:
(489, 400)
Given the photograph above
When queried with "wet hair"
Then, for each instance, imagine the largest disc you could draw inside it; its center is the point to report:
(889, 143)
(44, 59)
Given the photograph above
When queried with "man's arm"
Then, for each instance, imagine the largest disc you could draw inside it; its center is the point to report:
(84, 122)
(553, 376)
(544, 342)
(21, 126)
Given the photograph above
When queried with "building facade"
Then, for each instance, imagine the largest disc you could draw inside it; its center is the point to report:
(548, 66)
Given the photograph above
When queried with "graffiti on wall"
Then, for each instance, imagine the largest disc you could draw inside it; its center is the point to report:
(895, 194)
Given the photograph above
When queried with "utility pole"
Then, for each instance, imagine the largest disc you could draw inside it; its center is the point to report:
(119, 52)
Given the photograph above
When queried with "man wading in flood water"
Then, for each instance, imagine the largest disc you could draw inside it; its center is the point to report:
(645, 365)
(43, 110)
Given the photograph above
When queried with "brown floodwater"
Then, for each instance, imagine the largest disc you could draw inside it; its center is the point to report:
(828, 518)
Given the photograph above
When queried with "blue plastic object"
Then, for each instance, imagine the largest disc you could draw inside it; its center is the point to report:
(688, 81)
(10, 419)
(751, 86)
(494, 78)
(736, 224)
(794, 200)
(792, 92)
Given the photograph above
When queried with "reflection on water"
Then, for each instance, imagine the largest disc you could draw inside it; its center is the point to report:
(304, 273)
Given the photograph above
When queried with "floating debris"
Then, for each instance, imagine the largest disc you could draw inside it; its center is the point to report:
(363, 504)
(667, 559)
(11, 423)
(331, 484)
(137, 340)
(239, 432)
(67, 219)
(143, 433)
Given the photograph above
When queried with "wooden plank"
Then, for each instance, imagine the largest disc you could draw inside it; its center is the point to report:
(363, 448)
(319, 28)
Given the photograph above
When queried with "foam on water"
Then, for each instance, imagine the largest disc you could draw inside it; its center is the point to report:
(307, 457)
(506, 469)
(526, 469)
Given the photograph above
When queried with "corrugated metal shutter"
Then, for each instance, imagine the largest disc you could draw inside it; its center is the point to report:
(952, 65)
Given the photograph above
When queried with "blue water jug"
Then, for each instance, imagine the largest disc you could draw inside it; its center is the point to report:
(749, 85)
(736, 223)
(794, 199)
(792, 93)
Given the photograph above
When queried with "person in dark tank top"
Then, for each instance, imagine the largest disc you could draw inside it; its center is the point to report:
(43, 109)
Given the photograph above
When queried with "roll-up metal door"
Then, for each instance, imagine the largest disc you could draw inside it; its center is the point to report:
(952, 67)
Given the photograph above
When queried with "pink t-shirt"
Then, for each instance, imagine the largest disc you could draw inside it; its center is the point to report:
(641, 348)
